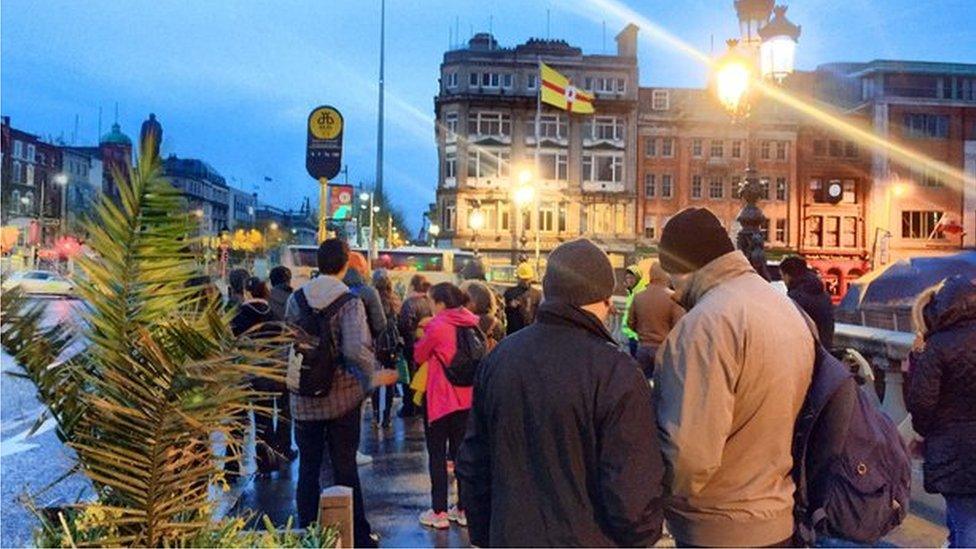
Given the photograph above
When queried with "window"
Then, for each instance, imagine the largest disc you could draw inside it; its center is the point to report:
(696, 148)
(451, 80)
(926, 126)
(450, 164)
(451, 122)
(18, 149)
(504, 217)
(831, 233)
(850, 149)
(490, 79)
(608, 127)
(487, 162)
(737, 149)
(18, 171)
(696, 186)
(716, 188)
(449, 217)
(609, 168)
(848, 235)
(562, 218)
(15, 199)
(31, 153)
(660, 100)
(667, 190)
(850, 192)
(650, 146)
(819, 148)
(532, 82)
(764, 230)
(547, 217)
(734, 186)
(765, 151)
(605, 85)
(650, 227)
(667, 147)
(814, 238)
(30, 176)
(489, 123)
(650, 185)
(780, 235)
(781, 150)
(552, 126)
(507, 80)
(836, 148)
(781, 189)
(29, 203)
(553, 166)
(718, 148)
(621, 85)
(764, 183)
(473, 79)
(926, 177)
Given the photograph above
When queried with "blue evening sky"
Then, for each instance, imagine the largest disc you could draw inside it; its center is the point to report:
(233, 81)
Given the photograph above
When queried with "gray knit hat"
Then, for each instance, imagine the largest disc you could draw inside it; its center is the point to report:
(578, 272)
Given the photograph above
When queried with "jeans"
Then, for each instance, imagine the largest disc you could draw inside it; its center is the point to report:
(340, 437)
(387, 404)
(961, 520)
(446, 430)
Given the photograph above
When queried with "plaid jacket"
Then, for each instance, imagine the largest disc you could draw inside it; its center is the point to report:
(352, 381)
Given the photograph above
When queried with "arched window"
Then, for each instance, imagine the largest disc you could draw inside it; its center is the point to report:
(29, 202)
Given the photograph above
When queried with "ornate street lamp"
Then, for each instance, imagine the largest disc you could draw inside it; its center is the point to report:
(735, 75)
(523, 195)
(433, 231)
(476, 222)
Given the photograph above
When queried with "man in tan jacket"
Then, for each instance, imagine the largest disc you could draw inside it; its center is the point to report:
(733, 375)
(652, 316)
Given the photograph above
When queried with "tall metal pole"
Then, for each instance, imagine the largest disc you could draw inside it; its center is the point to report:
(538, 150)
(750, 239)
(378, 188)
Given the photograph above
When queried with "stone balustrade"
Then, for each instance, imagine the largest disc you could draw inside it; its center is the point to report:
(887, 352)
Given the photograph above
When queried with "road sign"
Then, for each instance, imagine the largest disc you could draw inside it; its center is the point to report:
(340, 202)
(323, 150)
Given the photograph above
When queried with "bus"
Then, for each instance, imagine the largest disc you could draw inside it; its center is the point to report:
(437, 264)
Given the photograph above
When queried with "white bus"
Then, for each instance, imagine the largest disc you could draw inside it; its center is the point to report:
(438, 265)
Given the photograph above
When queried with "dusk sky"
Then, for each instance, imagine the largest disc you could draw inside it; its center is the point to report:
(233, 82)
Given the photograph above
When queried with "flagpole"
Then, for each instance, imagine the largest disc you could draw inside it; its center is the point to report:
(538, 150)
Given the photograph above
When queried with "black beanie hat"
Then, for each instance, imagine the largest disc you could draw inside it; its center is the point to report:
(692, 239)
(579, 273)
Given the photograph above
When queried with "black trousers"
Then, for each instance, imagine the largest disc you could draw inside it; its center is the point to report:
(387, 403)
(446, 430)
(340, 437)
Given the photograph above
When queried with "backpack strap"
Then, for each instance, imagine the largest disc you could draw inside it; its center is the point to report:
(333, 308)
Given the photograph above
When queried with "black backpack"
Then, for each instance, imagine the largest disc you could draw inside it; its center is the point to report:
(315, 354)
(851, 468)
(389, 343)
(471, 350)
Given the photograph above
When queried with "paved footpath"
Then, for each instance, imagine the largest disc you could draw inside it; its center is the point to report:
(397, 490)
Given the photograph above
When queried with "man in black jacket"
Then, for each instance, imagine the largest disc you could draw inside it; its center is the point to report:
(561, 448)
(807, 290)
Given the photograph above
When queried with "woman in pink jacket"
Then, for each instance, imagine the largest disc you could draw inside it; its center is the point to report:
(447, 405)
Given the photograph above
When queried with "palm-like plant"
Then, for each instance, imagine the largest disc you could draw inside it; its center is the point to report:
(159, 374)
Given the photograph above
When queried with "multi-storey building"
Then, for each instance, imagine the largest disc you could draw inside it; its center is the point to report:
(205, 190)
(928, 108)
(83, 169)
(692, 154)
(31, 197)
(582, 165)
(242, 208)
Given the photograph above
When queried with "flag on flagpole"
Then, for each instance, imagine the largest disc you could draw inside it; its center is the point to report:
(556, 90)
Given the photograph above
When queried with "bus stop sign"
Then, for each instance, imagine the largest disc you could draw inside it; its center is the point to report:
(323, 150)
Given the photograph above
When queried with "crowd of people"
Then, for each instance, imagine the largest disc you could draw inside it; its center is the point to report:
(563, 436)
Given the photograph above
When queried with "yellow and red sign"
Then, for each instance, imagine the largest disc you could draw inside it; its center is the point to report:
(559, 92)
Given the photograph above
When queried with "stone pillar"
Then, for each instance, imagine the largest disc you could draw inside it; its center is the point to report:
(335, 507)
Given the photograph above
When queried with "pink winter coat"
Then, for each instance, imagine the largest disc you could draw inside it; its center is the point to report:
(437, 348)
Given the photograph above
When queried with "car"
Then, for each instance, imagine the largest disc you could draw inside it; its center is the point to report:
(40, 283)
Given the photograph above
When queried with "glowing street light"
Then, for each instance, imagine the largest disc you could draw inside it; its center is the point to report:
(732, 80)
(434, 230)
(476, 221)
(61, 179)
(273, 226)
(777, 54)
(524, 195)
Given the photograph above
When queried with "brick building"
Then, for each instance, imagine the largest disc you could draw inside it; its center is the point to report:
(29, 195)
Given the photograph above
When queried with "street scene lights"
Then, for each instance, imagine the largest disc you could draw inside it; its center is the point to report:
(434, 230)
(476, 222)
(734, 81)
(523, 195)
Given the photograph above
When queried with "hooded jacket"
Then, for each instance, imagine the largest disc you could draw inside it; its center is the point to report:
(353, 380)
(561, 448)
(437, 349)
(279, 300)
(250, 314)
(371, 299)
(941, 392)
(808, 292)
(733, 375)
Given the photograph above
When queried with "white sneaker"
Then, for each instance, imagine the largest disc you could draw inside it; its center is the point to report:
(363, 459)
(456, 515)
(435, 520)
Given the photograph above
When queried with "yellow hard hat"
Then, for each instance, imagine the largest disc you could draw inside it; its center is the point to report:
(525, 272)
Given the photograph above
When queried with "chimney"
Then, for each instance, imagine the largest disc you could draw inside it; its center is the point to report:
(627, 41)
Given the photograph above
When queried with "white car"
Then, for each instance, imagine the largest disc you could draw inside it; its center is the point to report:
(40, 282)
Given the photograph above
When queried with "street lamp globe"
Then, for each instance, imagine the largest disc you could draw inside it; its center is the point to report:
(376, 209)
(434, 229)
(777, 53)
(61, 179)
(198, 212)
(25, 200)
(273, 226)
(732, 79)
(476, 220)
(364, 196)
(294, 231)
(524, 195)
(525, 176)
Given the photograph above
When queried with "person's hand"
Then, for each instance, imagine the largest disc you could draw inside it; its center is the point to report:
(424, 321)
(919, 343)
(384, 377)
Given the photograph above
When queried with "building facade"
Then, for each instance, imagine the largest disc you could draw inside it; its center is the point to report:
(241, 209)
(927, 108)
(83, 168)
(31, 198)
(581, 169)
(205, 190)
